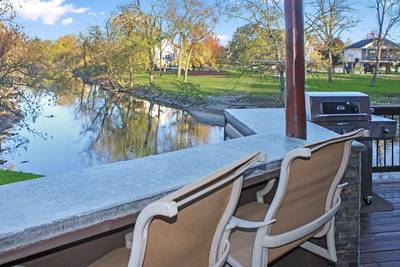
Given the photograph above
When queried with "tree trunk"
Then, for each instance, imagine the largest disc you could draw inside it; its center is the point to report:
(180, 54)
(281, 74)
(152, 52)
(84, 56)
(388, 68)
(161, 53)
(377, 63)
(187, 63)
(131, 72)
(330, 67)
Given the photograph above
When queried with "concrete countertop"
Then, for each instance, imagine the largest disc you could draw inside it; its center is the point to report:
(44, 208)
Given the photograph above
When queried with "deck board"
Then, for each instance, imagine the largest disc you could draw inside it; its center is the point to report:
(380, 231)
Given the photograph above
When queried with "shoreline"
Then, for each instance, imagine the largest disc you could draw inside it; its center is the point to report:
(204, 109)
(208, 109)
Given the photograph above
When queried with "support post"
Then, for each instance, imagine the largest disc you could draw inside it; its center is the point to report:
(295, 70)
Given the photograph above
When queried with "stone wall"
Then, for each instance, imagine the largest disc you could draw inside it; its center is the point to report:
(347, 226)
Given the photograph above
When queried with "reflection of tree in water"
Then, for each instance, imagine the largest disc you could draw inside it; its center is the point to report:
(121, 127)
(10, 139)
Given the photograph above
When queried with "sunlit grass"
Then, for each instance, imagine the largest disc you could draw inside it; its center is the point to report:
(8, 177)
(234, 83)
(224, 84)
(387, 84)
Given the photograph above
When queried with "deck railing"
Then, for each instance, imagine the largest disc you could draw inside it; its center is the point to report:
(386, 153)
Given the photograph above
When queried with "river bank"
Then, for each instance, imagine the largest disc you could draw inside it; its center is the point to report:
(207, 96)
(205, 109)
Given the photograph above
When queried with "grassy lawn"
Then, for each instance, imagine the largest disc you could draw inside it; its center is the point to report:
(232, 83)
(8, 177)
(228, 84)
(387, 86)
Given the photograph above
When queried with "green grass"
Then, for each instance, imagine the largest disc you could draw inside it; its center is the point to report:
(233, 83)
(8, 177)
(386, 90)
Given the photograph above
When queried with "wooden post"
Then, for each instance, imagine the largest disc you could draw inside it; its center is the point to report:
(295, 75)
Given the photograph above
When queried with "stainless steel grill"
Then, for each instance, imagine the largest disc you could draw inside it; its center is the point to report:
(343, 112)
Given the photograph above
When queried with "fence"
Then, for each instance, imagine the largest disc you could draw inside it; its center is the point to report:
(386, 153)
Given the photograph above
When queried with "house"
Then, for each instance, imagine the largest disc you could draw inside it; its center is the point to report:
(364, 52)
(168, 53)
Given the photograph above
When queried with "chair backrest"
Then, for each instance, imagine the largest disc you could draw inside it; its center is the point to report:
(306, 191)
(186, 228)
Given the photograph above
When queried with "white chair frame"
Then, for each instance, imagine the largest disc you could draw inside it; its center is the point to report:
(264, 241)
(167, 207)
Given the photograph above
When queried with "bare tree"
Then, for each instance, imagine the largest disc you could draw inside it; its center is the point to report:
(193, 21)
(265, 18)
(167, 33)
(176, 17)
(145, 22)
(388, 15)
(328, 21)
(19, 65)
(21, 76)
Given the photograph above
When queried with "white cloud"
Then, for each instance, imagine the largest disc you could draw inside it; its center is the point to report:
(223, 37)
(49, 12)
(67, 21)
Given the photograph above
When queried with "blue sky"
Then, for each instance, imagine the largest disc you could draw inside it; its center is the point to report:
(50, 19)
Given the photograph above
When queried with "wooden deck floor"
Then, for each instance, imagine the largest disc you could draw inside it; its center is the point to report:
(380, 231)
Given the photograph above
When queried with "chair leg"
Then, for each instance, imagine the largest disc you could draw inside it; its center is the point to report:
(328, 253)
(331, 246)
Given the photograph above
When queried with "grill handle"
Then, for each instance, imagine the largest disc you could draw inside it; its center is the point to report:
(342, 117)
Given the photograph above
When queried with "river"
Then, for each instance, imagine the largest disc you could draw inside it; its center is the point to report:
(86, 126)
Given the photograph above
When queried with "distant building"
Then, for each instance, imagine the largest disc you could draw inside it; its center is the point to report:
(364, 52)
(168, 55)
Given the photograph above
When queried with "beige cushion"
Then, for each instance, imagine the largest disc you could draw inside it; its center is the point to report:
(116, 258)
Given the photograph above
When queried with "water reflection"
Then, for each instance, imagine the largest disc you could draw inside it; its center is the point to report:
(87, 126)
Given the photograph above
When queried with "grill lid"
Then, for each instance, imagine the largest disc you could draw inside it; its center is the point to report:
(337, 106)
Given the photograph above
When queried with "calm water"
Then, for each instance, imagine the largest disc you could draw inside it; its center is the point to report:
(86, 126)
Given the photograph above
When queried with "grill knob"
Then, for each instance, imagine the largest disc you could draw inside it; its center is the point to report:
(386, 130)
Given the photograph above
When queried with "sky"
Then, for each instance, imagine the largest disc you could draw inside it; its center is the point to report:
(50, 19)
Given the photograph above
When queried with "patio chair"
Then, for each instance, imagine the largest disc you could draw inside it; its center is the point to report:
(304, 206)
(187, 227)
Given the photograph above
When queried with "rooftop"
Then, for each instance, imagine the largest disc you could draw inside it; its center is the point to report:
(363, 43)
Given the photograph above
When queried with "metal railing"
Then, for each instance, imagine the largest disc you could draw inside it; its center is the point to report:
(386, 153)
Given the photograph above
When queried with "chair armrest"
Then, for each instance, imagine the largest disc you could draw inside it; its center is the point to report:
(239, 223)
(273, 241)
(269, 186)
(339, 190)
(267, 189)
